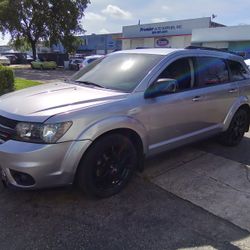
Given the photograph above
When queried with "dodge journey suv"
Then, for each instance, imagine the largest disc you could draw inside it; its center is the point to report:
(95, 129)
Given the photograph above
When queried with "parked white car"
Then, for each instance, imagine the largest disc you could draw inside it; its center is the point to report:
(89, 59)
(4, 60)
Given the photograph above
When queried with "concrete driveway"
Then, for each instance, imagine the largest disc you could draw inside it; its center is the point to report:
(211, 176)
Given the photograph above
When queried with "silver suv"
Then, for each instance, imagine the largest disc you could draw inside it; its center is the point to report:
(96, 129)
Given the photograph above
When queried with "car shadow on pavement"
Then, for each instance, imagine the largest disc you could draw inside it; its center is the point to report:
(240, 153)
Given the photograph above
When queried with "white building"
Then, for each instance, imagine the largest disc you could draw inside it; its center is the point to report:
(173, 34)
(234, 38)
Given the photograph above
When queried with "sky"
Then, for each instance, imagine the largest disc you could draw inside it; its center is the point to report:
(104, 16)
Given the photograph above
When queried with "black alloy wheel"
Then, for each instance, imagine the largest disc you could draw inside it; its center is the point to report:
(107, 166)
(237, 128)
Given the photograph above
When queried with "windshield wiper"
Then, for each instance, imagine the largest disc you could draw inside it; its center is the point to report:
(90, 83)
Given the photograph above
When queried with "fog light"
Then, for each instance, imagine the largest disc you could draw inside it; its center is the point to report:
(22, 178)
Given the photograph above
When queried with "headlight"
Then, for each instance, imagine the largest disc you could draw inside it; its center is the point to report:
(41, 133)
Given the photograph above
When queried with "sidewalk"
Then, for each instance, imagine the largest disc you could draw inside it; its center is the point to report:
(217, 184)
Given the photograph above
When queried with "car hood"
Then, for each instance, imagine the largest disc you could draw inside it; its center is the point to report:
(40, 102)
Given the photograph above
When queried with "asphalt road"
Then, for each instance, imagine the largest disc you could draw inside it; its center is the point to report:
(143, 216)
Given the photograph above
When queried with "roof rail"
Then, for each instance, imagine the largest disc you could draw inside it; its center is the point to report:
(201, 47)
(141, 47)
(213, 49)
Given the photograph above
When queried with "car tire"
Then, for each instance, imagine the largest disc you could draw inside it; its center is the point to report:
(236, 130)
(107, 166)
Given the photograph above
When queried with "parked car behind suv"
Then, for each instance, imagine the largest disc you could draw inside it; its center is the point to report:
(4, 60)
(13, 59)
(74, 63)
(29, 59)
(96, 129)
(89, 59)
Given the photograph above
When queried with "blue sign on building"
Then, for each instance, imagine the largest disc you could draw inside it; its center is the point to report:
(96, 44)
(100, 44)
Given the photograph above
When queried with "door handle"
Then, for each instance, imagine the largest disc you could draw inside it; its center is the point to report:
(196, 98)
(233, 90)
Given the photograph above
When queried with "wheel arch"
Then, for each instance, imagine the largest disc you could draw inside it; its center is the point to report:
(134, 138)
(131, 134)
(247, 108)
(120, 124)
(124, 125)
(241, 103)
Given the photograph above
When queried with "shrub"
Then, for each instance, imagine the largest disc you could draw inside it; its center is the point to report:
(7, 80)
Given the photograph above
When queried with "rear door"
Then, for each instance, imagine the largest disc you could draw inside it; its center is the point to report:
(216, 90)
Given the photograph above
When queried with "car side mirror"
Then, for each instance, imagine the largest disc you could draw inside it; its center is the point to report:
(162, 86)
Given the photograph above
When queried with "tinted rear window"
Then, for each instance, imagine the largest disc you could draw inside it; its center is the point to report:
(211, 71)
(237, 70)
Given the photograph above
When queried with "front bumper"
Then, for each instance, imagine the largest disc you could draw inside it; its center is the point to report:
(48, 165)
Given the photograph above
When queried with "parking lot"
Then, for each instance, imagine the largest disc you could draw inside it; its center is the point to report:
(144, 216)
(44, 76)
(197, 197)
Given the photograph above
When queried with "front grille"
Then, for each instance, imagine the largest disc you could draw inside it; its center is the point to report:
(7, 128)
(8, 122)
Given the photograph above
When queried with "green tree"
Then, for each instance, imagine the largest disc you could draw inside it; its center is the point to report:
(42, 20)
(21, 44)
(72, 43)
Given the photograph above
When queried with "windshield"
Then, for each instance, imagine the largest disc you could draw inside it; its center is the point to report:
(121, 71)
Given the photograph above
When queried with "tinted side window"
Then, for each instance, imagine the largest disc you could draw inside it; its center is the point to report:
(237, 70)
(180, 71)
(211, 71)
